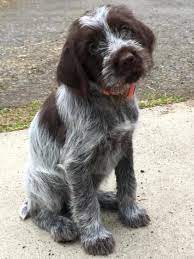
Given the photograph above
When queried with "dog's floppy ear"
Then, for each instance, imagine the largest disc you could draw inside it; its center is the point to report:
(148, 35)
(70, 71)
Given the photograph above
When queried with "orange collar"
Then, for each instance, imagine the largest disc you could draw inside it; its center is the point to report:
(129, 93)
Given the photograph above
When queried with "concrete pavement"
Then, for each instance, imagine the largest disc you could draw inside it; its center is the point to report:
(163, 150)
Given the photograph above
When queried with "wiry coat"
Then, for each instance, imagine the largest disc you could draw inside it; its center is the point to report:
(80, 135)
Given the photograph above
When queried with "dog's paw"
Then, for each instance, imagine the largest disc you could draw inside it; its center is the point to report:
(134, 216)
(63, 230)
(100, 245)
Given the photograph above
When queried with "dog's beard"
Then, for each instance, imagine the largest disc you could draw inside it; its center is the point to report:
(109, 81)
(116, 85)
(120, 88)
(119, 85)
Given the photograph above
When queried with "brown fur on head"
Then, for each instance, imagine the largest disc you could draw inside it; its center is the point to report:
(109, 47)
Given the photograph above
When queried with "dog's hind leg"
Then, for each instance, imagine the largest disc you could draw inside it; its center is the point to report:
(107, 200)
(47, 194)
(61, 228)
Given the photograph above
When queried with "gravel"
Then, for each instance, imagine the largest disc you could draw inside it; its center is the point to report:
(32, 34)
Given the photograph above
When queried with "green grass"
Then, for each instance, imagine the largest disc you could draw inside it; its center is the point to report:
(17, 118)
(159, 101)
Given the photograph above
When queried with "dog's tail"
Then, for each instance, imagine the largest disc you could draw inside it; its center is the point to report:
(107, 200)
(24, 211)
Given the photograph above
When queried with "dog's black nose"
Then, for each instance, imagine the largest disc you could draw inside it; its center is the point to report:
(126, 61)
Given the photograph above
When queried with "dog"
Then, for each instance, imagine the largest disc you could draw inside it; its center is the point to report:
(84, 131)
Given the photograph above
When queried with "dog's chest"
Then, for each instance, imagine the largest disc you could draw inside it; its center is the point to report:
(120, 129)
(111, 150)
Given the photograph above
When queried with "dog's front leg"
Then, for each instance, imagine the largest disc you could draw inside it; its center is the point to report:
(95, 239)
(131, 214)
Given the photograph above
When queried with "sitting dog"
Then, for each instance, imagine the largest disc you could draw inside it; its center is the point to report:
(84, 131)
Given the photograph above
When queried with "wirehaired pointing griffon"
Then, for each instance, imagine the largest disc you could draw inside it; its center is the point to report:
(84, 131)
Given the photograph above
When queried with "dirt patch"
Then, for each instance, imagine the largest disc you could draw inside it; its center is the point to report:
(33, 33)
(6, 3)
(28, 73)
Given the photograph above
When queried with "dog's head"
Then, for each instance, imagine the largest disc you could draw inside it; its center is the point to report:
(109, 47)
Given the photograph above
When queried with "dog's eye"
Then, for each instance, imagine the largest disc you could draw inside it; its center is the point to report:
(124, 28)
(132, 32)
(126, 31)
(92, 47)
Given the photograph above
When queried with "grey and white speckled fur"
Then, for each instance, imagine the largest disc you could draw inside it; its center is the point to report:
(63, 177)
(72, 173)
